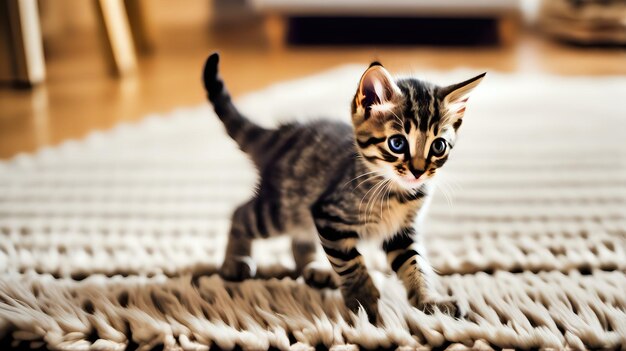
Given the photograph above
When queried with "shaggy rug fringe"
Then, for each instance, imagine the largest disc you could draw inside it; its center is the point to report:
(111, 242)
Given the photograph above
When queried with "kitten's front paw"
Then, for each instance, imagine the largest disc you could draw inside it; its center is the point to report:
(447, 305)
(366, 298)
(237, 269)
(318, 276)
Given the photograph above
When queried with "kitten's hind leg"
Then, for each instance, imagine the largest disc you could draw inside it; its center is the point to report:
(238, 264)
(315, 273)
(303, 251)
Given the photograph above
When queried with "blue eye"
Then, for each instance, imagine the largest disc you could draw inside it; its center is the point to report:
(438, 147)
(397, 144)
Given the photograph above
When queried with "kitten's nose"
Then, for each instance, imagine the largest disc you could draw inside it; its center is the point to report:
(417, 166)
(417, 172)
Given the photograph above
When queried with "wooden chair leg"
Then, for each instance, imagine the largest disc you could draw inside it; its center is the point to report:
(23, 62)
(140, 26)
(116, 36)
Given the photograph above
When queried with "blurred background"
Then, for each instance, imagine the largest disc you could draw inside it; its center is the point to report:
(68, 67)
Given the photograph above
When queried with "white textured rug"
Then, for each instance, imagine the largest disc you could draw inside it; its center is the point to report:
(109, 242)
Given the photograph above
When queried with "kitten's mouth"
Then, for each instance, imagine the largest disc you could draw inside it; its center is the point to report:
(412, 182)
(413, 179)
(404, 181)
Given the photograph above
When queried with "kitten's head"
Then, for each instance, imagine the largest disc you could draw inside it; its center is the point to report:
(406, 128)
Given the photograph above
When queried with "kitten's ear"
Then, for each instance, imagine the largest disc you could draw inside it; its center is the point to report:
(455, 96)
(376, 87)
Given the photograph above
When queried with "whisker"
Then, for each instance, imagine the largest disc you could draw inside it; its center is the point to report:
(366, 180)
(364, 196)
(380, 195)
(372, 200)
(399, 119)
(454, 185)
(386, 195)
(446, 189)
(357, 177)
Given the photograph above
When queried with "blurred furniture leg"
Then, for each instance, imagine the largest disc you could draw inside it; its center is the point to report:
(275, 29)
(508, 29)
(21, 57)
(139, 26)
(116, 34)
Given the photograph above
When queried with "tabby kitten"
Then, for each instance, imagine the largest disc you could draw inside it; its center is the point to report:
(337, 183)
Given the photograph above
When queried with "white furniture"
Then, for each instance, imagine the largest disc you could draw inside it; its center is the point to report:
(317, 21)
(460, 8)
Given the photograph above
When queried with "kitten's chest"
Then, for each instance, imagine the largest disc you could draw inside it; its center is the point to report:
(392, 218)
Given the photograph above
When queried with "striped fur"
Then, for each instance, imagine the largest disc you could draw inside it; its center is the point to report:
(343, 183)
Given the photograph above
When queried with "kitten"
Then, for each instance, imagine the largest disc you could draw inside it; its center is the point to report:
(337, 183)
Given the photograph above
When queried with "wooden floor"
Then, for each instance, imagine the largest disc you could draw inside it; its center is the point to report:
(80, 96)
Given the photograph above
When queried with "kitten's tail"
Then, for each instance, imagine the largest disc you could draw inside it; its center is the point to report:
(245, 132)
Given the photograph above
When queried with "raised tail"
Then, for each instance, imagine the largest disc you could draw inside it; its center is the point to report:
(245, 132)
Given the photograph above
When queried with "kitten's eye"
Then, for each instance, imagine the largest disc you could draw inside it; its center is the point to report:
(397, 144)
(438, 147)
